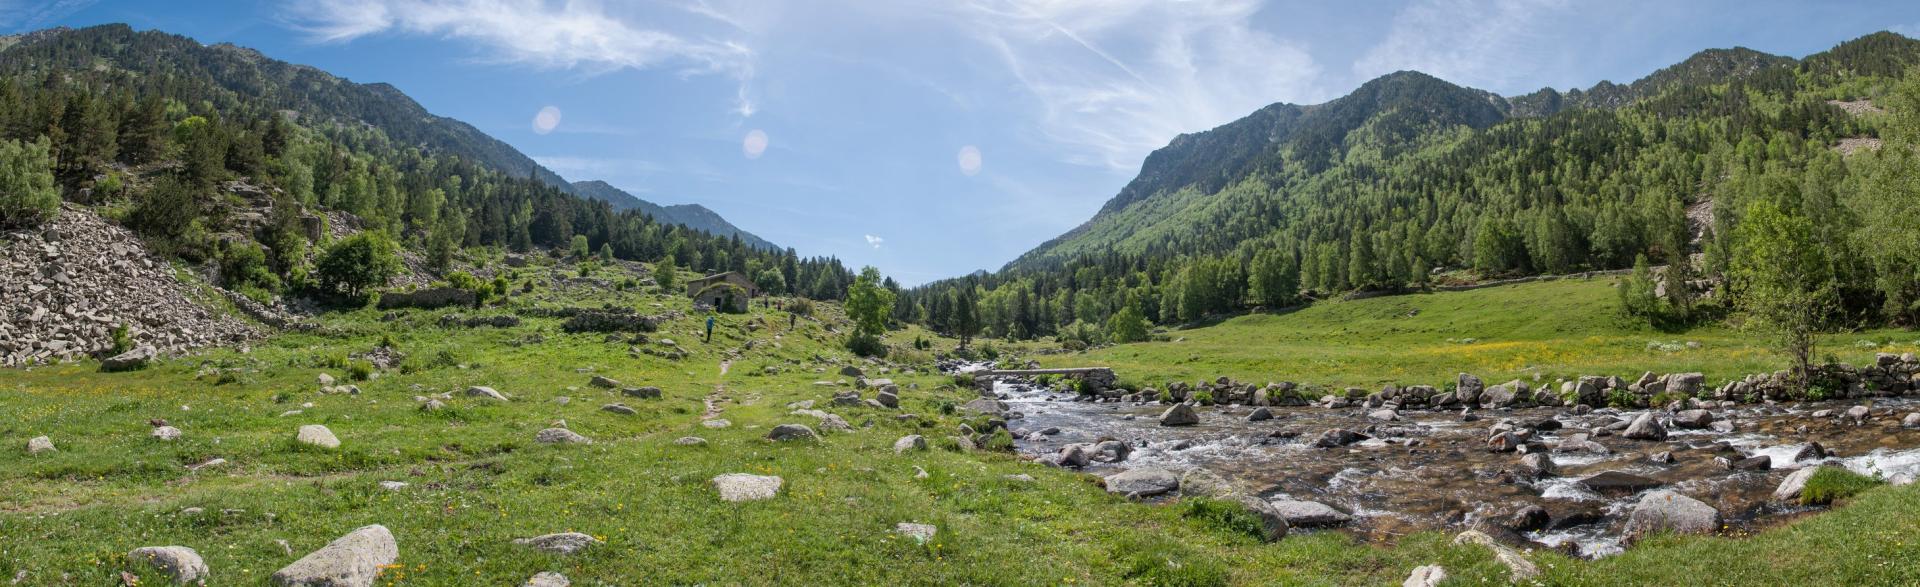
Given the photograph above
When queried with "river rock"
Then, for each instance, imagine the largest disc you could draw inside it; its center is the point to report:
(786, 432)
(909, 442)
(1752, 463)
(317, 435)
(1179, 415)
(1789, 489)
(1519, 569)
(1467, 389)
(1263, 414)
(179, 563)
(1384, 415)
(1618, 483)
(353, 560)
(1645, 427)
(1273, 525)
(1911, 421)
(1074, 455)
(560, 436)
(1337, 437)
(1669, 511)
(562, 543)
(1693, 419)
(1504, 395)
(1144, 482)
(986, 406)
(1858, 414)
(548, 579)
(1426, 576)
(1309, 514)
(1538, 464)
(484, 392)
(40, 445)
(1529, 518)
(737, 487)
(1204, 483)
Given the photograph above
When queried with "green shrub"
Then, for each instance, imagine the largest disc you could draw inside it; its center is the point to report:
(1203, 397)
(801, 306)
(122, 340)
(27, 193)
(244, 267)
(1223, 515)
(1165, 397)
(357, 264)
(866, 345)
(1834, 483)
(1621, 398)
(999, 441)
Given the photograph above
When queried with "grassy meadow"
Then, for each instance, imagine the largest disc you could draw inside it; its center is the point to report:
(477, 481)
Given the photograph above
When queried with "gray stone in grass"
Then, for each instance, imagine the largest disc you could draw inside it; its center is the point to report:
(179, 563)
(484, 392)
(353, 560)
(562, 543)
(1145, 482)
(166, 433)
(737, 487)
(621, 409)
(909, 442)
(691, 441)
(560, 436)
(548, 579)
(786, 432)
(317, 435)
(920, 533)
(40, 445)
(716, 423)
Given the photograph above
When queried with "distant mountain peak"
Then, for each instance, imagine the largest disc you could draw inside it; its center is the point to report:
(692, 216)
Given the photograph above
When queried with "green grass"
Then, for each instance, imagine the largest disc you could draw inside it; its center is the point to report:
(1539, 332)
(478, 481)
(1830, 484)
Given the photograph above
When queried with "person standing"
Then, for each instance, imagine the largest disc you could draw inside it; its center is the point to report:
(709, 328)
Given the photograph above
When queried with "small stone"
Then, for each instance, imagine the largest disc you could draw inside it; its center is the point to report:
(562, 543)
(179, 563)
(393, 485)
(1426, 576)
(1260, 415)
(40, 445)
(736, 487)
(909, 442)
(642, 392)
(560, 436)
(690, 441)
(716, 423)
(786, 432)
(317, 435)
(621, 409)
(920, 533)
(166, 433)
(603, 382)
(548, 579)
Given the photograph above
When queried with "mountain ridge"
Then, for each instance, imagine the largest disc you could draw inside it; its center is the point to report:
(693, 216)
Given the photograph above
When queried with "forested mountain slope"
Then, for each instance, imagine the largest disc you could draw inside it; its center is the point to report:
(1411, 179)
(229, 76)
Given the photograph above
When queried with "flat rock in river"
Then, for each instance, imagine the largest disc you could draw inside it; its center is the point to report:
(1309, 514)
(1668, 511)
(1143, 482)
(1619, 483)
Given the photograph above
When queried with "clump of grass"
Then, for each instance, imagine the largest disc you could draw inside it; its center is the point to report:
(359, 370)
(1203, 397)
(1163, 562)
(1833, 483)
(999, 441)
(1223, 515)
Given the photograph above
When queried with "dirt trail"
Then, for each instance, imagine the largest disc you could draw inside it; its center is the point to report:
(719, 393)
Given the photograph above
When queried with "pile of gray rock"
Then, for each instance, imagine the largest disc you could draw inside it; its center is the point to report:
(65, 285)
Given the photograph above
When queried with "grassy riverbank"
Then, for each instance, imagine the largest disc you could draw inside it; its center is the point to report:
(477, 481)
(1534, 331)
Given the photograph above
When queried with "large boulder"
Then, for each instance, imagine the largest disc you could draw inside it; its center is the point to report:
(1145, 482)
(1645, 427)
(1263, 414)
(353, 560)
(317, 435)
(743, 487)
(1337, 437)
(1504, 395)
(1790, 488)
(1309, 514)
(1692, 419)
(986, 406)
(131, 360)
(1179, 415)
(179, 563)
(1668, 511)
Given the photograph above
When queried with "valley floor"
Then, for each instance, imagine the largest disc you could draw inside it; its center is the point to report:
(476, 480)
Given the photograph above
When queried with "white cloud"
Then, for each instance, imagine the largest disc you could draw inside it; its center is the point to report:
(575, 34)
(592, 167)
(1115, 79)
(1490, 44)
(875, 241)
(27, 15)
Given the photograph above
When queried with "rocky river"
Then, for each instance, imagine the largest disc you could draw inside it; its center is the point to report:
(1542, 477)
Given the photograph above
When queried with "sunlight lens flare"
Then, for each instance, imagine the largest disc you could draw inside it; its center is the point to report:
(970, 160)
(545, 121)
(755, 144)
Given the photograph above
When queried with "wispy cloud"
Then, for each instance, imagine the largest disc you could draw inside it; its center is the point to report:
(567, 35)
(576, 167)
(26, 15)
(875, 241)
(1115, 79)
(1492, 44)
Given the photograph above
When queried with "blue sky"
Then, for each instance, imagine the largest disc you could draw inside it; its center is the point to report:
(931, 138)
